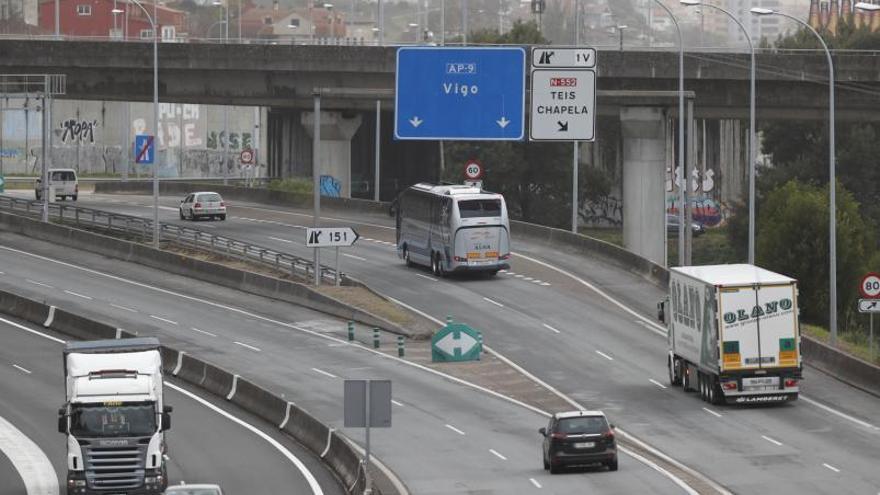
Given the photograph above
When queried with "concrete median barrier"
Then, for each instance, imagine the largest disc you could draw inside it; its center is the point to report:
(848, 369)
(340, 456)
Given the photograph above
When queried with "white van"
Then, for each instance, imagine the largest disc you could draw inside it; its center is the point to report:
(63, 179)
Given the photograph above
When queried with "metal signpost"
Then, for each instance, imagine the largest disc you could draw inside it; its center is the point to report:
(563, 82)
(367, 405)
(870, 290)
(460, 93)
(334, 237)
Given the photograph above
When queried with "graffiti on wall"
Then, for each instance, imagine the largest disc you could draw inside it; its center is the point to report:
(705, 209)
(78, 131)
(179, 125)
(331, 186)
(236, 142)
(606, 212)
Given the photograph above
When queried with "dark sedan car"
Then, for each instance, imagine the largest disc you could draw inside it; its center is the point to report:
(672, 224)
(579, 438)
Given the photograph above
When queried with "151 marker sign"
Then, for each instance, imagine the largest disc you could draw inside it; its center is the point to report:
(330, 237)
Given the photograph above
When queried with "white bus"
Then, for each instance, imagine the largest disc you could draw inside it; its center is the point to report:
(453, 228)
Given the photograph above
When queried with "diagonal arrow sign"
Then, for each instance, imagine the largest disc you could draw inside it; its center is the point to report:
(563, 126)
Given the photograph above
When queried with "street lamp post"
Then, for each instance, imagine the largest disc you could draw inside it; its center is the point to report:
(329, 7)
(683, 187)
(620, 29)
(832, 221)
(753, 140)
(153, 20)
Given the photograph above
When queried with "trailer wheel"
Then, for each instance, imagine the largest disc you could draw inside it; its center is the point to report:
(715, 395)
(673, 366)
(686, 377)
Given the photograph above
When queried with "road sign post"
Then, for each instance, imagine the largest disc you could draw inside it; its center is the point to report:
(367, 404)
(460, 93)
(334, 237)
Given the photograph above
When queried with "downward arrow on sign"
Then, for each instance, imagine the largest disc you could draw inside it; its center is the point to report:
(415, 121)
(503, 122)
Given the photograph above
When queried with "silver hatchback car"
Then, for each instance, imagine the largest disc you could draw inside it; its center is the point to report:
(203, 205)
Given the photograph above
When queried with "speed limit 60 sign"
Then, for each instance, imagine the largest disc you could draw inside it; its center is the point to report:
(473, 170)
(870, 286)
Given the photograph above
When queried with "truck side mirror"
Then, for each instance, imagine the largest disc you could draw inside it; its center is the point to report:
(661, 311)
(62, 422)
(166, 418)
(542, 431)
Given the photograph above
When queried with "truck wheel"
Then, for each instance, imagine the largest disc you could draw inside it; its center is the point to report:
(716, 397)
(672, 366)
(685, 377)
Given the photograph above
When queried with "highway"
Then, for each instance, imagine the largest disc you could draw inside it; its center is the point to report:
(446, 438)
(204, 446)
(587, 329)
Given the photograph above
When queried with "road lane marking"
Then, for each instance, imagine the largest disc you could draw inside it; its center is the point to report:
(246, 346)
(545, 284)
(281, 240)
(519, 276)
(163, 319)
(497, 454)
(310, 478)
(496, 303)
(829, 466)
(29, 460)
(528, 279)
(123, 308)
(204, 332)
(455, 429)
(775, 442)
(396, 403)
(712, 412)
(838, 413)
(548, 327)
(535, 482)
(26, 329)
(21, 369)
(606, 356)
(331, 375)
(354, 257)
(38, 283)
(432, 279)
(655, 382)
(72, 293)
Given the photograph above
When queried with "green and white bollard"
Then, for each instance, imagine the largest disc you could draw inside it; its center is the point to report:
(350, 331)
(400, 351)
(448, 320)
(375, 338)
(480, 342)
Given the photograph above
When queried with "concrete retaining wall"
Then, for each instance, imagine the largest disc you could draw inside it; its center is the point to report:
(245, 281)
(341, 457)
(848, 369)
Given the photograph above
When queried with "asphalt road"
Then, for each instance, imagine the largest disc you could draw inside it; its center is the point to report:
(446, 438)
(544, 315)
(203, 446)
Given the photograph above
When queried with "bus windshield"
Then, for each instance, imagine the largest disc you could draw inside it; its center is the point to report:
(100, 420)
(474, 208)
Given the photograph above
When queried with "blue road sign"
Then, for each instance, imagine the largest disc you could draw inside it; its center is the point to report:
(144, 149)
(460, 93)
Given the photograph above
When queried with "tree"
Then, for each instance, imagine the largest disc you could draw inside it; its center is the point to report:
(793, 239)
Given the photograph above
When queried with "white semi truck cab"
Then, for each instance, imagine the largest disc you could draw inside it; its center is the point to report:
(733, 333)
(115, 417)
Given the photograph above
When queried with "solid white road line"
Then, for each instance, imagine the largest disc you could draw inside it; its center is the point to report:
(713, 413)
(21, 369)
(606, 356)
(655, 382)
(829, 466)
(493, 302)
(310, 478)
(354, 257)
(281, 240)
(204, 332)
(535, 482)
(455, 429)
(775, 442)
(163, 319)
(331, 375)
(26, 329)
(29, 460)
(78, 295)
(497, 454)
(837, 413)
(123, 308)
(246, 346)
(548, 327)
(432, 279)
(38, 283)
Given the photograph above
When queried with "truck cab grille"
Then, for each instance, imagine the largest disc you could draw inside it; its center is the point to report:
(112, 468)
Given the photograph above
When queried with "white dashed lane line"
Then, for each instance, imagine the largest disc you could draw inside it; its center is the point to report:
(246, 346)
(432, 279)
(41, 284)
(209, 334)
(331, 375)
(535, 482)
(77, 294)
(497, 454)
(400, 404)
(548, 327)
(281, 240)
(455, 429)
(21, 369)
(829, 466)
(130, 310)
(172, 322)
(496, 303)
(606, 356)
(655, 382)
(713, 413)
(774, 442)
(354, 257)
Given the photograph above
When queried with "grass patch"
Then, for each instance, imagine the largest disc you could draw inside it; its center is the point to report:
(854, 343)
(711, 248)
(301, 186)
(614, 236)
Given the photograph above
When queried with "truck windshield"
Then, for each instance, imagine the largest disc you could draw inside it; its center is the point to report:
(123, 420)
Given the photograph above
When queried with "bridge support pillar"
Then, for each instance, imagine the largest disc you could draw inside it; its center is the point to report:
(644, 175)
(336, 134)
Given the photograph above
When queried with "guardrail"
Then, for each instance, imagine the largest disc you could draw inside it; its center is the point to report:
(256, 181)
(142, 229)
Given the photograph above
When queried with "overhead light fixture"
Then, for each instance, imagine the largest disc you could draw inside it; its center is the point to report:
(867, 6)
(761, 11)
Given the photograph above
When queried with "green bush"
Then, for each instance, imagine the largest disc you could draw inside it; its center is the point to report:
(793, 239)
(297, 186)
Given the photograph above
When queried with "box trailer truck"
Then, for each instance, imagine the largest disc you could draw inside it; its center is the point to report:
(115, 417)
(733, 333)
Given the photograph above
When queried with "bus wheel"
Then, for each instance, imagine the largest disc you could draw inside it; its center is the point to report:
(406, 256)
(441, 271)
(435, 264)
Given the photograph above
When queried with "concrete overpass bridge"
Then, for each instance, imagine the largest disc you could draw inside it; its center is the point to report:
(636, 88)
